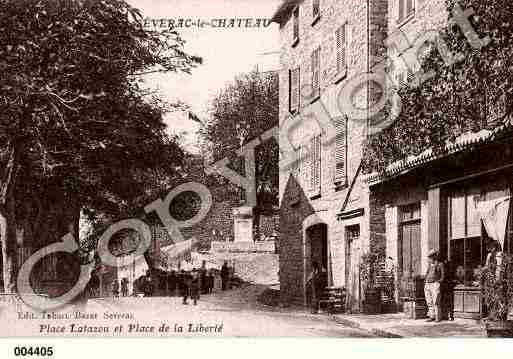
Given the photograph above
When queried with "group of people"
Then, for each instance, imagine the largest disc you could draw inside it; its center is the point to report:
(439, 283)
(188, 284)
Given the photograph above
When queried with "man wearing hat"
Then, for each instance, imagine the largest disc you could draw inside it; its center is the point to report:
(434, 278)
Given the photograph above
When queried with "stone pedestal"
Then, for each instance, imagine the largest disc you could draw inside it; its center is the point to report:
(243, 224)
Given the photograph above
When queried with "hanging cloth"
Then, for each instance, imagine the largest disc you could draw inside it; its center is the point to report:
(494, 214)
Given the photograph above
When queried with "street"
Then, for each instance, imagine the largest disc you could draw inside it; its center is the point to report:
(236, 310)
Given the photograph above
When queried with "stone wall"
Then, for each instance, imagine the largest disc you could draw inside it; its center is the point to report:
(244, 247)
(294, 209)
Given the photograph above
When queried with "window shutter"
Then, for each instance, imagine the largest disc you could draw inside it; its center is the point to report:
(410, 7)
(341, 150)
(315, 165)
(401, 10)
(294, 90)
(296, 24)
(316, 72)
(400, 78)
(341, 49)
(316, 8)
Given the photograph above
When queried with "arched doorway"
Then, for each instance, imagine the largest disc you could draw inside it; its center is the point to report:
(316, 247)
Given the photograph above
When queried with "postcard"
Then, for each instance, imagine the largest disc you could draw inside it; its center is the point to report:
(271, 168)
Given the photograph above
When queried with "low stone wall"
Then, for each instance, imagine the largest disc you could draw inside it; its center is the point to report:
(245, 247)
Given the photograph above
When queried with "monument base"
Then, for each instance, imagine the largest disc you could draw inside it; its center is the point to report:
(243, 224)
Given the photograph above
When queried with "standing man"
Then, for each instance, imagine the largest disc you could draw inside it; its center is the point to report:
(434, 277)
(115, 288)
(203, 277)
(225, 273)
(195, 286)
(124, 287)
(314, 284)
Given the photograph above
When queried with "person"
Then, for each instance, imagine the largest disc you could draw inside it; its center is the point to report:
(148, 285)
(203, 277)
(210, 282)
(491, 258)
(115, 288)
(171, 280)
(94, 284)
(225, 273)
(434, 277)
(195, 285)
(315, 283)
(186, 286)
(124, 287)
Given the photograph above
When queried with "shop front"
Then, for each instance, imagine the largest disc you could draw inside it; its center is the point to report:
(456, 202)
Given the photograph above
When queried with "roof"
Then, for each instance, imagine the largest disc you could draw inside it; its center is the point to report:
(282, 14)
(464, 142)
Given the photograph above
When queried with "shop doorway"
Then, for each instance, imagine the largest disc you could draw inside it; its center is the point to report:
(409, 263)
(352, 267)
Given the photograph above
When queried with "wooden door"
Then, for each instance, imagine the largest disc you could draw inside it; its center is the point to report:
(410, 253)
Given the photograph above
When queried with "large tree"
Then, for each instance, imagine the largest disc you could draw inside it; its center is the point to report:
(77, 129)
(472, 94)
(244, 110)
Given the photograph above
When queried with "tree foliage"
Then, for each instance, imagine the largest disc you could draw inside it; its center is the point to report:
(77, 129)
(249, 105)
(474, 93)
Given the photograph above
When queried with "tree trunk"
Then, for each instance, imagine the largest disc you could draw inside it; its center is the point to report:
(9, 251)
(7, 222)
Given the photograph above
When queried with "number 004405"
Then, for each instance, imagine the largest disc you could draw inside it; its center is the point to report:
(33, 351)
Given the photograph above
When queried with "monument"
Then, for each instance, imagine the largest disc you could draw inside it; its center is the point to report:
(243, 224)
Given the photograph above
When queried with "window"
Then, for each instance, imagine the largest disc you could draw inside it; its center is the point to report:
(315, 165)
(465, 221)
(406, 10)
(295, 38)
(294, 88)
(341, 151)
(466, 249)
(341, 49)
(316, 9)
(316, 73)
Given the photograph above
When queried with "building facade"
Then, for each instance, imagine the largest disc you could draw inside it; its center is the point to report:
(330, 212)
(324, 202)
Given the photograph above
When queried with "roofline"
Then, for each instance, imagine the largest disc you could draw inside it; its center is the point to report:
(423, 159)
(282, 14)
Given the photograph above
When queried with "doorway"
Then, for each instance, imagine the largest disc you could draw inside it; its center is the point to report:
(409, 262)
(352, 270)
(317, 249)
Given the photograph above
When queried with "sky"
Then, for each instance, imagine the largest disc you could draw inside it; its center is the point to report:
(226, 52)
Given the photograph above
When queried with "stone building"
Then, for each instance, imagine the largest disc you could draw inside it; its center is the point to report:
(455, 200)
(324, 202)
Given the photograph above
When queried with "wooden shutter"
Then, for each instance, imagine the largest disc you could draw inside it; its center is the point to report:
(401, 13)
(316, 62)
(294, 90)
(400, 78)
(296, 24)
(341, 49)
(316, 8)
(315, 164)
(410, 7)
(341, 150)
